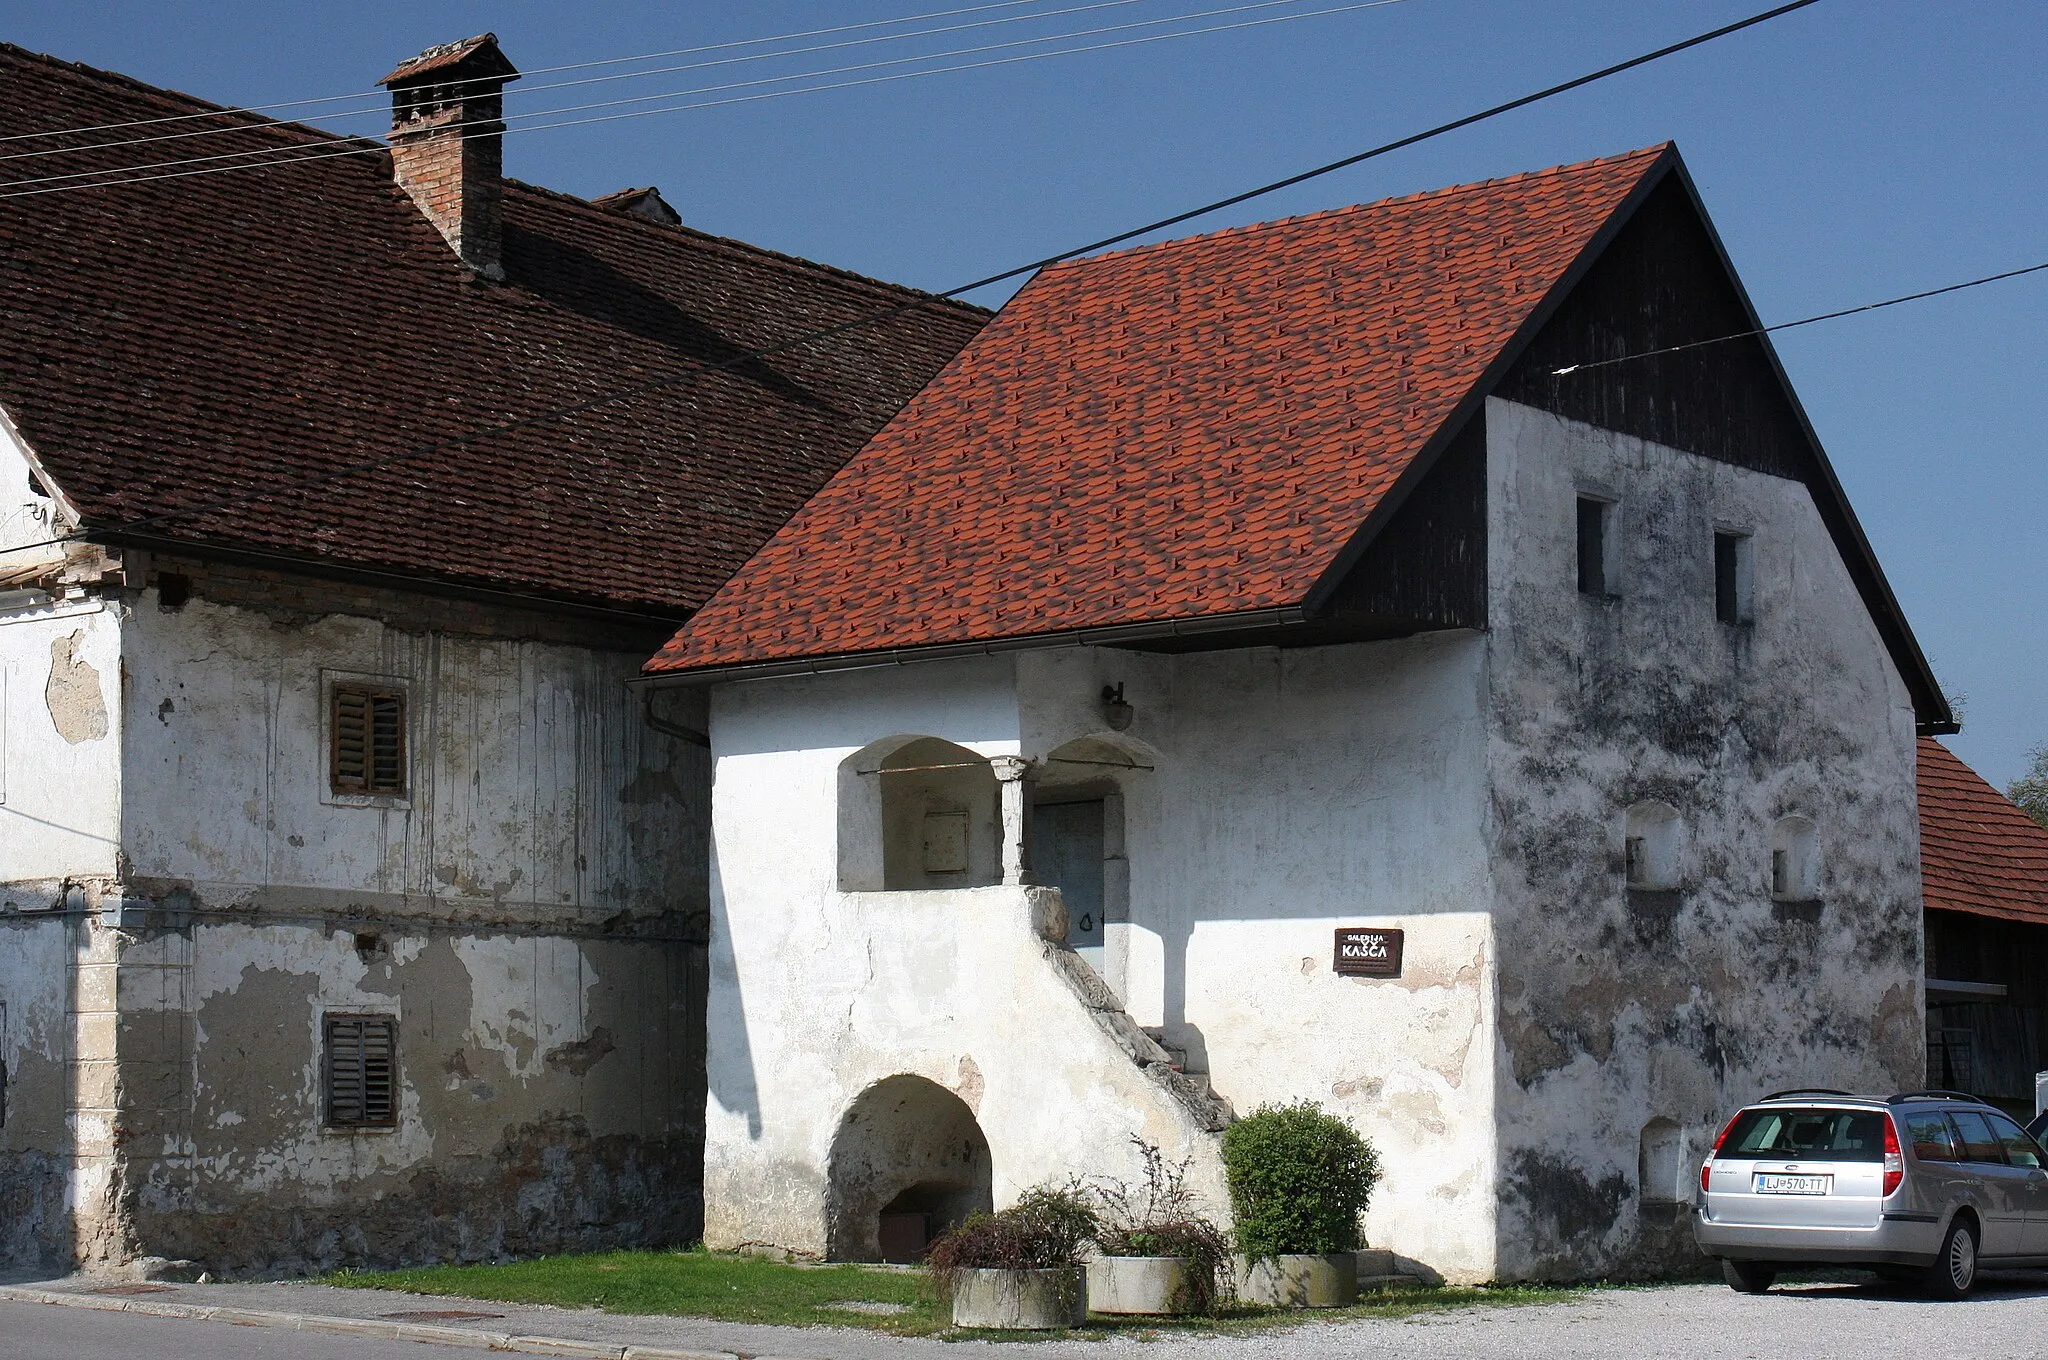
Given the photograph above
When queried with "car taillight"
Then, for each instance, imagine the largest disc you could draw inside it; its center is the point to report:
(1707, 1167)
(1894, 1164)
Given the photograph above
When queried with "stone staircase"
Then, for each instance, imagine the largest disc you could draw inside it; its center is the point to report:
(1177, 1058)
(1166, 1068)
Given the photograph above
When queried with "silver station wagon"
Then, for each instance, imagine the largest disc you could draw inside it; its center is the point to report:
(1927, 1186)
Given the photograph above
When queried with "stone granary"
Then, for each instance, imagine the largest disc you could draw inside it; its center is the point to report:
(1408, 657)
(352, 910)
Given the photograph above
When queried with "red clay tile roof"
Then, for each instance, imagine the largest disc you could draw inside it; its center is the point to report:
(184, 342)
(1178, 431)
(1978, 852)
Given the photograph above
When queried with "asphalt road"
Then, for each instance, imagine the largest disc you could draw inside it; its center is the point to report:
(2007, 1318)
(30, 1331)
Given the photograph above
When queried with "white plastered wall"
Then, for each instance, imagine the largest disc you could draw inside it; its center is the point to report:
(1293, 793)
(1289, 794)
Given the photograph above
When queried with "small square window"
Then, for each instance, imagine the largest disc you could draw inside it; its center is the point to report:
(360, 1071)
(1596, 524)
(367, 752)
(1733, 574)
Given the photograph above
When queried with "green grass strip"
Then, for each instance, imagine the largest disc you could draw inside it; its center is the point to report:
(730, 1288)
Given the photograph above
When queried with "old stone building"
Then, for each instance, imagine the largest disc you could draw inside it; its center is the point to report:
(1406, 657)
(352, 908)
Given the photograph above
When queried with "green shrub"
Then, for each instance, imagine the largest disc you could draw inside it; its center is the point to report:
(1299, 1179)
(1048, 1227)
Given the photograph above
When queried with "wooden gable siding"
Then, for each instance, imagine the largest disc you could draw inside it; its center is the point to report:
(1427, 568)
(1661, 282)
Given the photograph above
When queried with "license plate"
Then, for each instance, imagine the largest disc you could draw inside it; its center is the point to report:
(1767, 1184)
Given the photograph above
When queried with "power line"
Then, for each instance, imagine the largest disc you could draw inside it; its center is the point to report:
(268, 157)
(263, 156)
(542, 70)
(1803, 321)
(875, 318)
(383, 104)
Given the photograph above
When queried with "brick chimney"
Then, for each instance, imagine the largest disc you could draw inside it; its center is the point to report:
(447, 144)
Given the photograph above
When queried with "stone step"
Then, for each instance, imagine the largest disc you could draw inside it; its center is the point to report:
(1177, 1056)
(1382, 1282)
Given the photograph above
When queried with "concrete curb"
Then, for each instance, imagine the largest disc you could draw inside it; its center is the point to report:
(372, 1327)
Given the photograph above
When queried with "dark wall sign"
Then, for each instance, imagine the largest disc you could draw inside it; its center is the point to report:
(1367, 951)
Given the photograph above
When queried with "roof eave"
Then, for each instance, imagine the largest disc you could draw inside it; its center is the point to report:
(1107, 636)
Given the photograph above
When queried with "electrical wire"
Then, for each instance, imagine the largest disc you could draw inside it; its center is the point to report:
(383, 104)
(542, 70)
(1803, 321)
(886, 314)
(265, 158)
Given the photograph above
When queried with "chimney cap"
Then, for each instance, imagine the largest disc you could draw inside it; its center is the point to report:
(646, 204)
(478, 58)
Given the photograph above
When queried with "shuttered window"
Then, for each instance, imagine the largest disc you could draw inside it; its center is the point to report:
(362, 1071)
(368, 756)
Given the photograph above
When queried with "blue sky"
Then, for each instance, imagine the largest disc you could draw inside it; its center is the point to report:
(1848, 152)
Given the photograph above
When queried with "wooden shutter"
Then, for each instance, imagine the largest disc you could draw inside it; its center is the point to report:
(362, 1071)
(368, 755)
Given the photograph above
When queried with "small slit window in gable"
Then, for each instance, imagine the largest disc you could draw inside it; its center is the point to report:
(1596, 547)
(1733, 575)
(368, 755)
(361, 1071)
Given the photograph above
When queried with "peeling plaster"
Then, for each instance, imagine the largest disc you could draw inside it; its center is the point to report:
(72, 694)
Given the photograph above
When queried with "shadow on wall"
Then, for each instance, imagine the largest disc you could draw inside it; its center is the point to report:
(908, 1162)
(731, 1081)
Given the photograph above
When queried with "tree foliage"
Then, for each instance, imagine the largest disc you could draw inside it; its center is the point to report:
(1299, 1179)
(2030, 790)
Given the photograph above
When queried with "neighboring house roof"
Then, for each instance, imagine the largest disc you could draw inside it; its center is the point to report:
(1205, 435)
(299, 331)
(1978, 852)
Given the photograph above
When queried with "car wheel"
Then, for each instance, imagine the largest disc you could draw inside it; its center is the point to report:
(1954, 1272)
(1748, 1277)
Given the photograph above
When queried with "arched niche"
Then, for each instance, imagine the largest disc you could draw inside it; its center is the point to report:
(918, 812)
(1660, 1158)
(1795, 860)
(1653, 842)
(908, 1162)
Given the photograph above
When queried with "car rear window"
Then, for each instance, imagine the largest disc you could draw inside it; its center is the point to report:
(1808, 1135)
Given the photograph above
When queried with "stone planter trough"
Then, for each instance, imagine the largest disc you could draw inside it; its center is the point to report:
(1139, 1284)
(1021, 1300)
(1300, 1281)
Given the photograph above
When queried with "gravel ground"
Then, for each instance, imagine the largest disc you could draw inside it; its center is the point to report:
(2008, 1318)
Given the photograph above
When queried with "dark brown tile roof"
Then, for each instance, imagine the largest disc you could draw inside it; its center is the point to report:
(1978, 852)
(1169, 433)
(193, 341)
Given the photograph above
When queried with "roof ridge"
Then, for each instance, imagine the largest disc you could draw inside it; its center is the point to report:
(192, 103)
(733, 243)
(1396, 200)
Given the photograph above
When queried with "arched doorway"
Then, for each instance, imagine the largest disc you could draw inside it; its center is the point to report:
(908, 1162)
(1077, 840)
